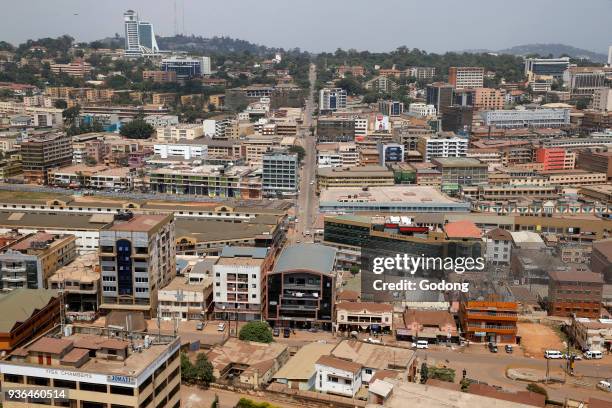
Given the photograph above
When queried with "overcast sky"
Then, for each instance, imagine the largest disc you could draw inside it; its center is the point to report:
(324, 25)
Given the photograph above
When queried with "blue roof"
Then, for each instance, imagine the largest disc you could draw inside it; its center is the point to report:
(312, 257)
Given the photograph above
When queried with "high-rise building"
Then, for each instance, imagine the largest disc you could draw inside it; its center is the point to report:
(186, 67)
(137, 257)
(584, 81)
(139, 36)
(439, 94)
(546, 66)
(610, 56)
(391, 108)
(280, 173)
(206, 66)
(446, 144)
(39, 154)
(466, 77)
(332, 99)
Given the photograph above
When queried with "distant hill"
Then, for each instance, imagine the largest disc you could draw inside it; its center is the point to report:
(215, 45)
(555, 50)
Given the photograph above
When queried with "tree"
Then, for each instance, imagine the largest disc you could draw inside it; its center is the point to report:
(90, 161)
(354, 270)
(215, 403)
(538, 389)
(442, 374)
(299, 150)
(582, 104)
(188, 374)
(256, 331)
(137, 129)
(203, 369)
(247, 403)
(424, 373)
(60, 104)
(71, 114)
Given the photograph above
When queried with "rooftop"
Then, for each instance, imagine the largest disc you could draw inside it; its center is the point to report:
(301, 365)
(20, 304)
(375, 356)
(458, 162)
(311, 257)
(575, 276)
(399, 194)
(141, 223)
(341, 364)
(462, 229)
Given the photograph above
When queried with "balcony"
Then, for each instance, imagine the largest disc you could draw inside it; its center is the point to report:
(508, 317)
(14, 278)
(298, 307)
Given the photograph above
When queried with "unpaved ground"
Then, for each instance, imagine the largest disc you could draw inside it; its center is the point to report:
(536, 338)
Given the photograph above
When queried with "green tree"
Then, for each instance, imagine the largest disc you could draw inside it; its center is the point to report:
(582, 103)
(137, 129)
(424, 373)
(215, 403)
(203, 369)
(247, 403)
(299, 150)
(256, 331)
(60, 104)
(442, 374)
(538, 389)
(90, 161)
(188, 373)
(354, 270)
(71, 114)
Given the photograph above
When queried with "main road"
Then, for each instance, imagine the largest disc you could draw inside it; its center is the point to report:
(306, 202)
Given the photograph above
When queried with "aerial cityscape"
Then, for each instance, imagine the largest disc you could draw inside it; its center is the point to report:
(207, 220)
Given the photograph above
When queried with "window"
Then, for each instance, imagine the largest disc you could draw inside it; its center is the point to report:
(368, 371)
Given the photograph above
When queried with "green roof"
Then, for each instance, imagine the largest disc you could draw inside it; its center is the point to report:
(20, 304)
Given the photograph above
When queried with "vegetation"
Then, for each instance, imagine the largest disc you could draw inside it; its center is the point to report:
(533, 387)
(299, 150)
(200, 372)
(247, 403)
(256, 331)
(137, 129)
(424, 373)
(354, 270)
(215, 403)
(442, 374)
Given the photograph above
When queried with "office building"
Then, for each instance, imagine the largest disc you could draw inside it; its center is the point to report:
(239, 277)
(582, 82)
(574, 292)
(30, 261)
(391, 108)
(332, 129)
(41, 153)
(137, 257)
(332, 99)
(554, 67)
(78, 68)
(466, 77)
(595, 161)
(422, 109)
(139, 36)
(358, 176)
(555, 158)
(442, 145)
(185, 67)
(186, 298)
(489, 98)
(485, 321)
(421, 72)
(440, 95)
(184, 150)
(591, 334)
(460, 171)
(390, 153)
(301, 289)
(381, 84)
(97, 367)
(280, 174)
(180, 132)
(159, 76)
(523, 118)
(602, 100)
(206, 66)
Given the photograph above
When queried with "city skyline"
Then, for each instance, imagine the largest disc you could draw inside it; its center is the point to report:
(312, 31)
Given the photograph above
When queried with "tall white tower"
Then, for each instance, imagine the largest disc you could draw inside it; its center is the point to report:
(610, 56)
(139, 36)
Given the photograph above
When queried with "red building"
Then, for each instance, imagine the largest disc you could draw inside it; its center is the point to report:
(555, 158)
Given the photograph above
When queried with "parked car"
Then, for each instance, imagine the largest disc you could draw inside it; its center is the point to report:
(593, 355)
(492, 347)
(286, 332)
(509, 349)
(276, 332)
(200, 326)
(571, 355)
(221, 327)
(605, 385)
(374, 341)
(420, 344)
(553, 354)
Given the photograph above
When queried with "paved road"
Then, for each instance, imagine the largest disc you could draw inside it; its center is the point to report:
(306, 201)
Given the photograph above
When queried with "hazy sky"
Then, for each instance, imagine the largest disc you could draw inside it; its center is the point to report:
(316, 25)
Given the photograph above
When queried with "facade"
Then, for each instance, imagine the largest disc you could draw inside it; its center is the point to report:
(183, 299)
(466, 77)
(489, 321)
(331, 129)
(391, 108)
(555, 158)
(332, 99)
(97, 370)
(360, 176)
(280, 174)
(592, 334)
(139, 36)
(381, 83)
(364, 316)
(538, 118)
(159, 76)
(575, 293)
(440, 95)
(30, 261)
(390, 153)
(186, 151)
(461, 171)
(595, 161)
(78, 68)
(498, 246)
(186, 67)
(39, 154)
(179, 132)
(547, 66)
(337, 376)
(137, 257)
(239, 277)
(584, 81)
(422, 109)
(442, 145)
(301, 289)
(602, 100)
(489, 98)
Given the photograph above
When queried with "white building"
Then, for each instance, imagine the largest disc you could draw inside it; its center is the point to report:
(215, 128)
(546, 66)
(343, 154)
(206, 66)
(361, 126)
(332, 99)
(187, 151)
(237, 278)
(280, 173)
(498, 246)
(183, 300)
(162, 120)
(592, 334)
(337, 376)
(442, 146)
(422, 109)
(466, 77)
(522, 118)
(602, 100)
(139, 36)
(184, 131)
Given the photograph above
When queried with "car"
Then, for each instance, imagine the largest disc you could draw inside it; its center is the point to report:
(492, 347)
(605, 385)
(276, 332)
(298, 241)
(374, 341)
(509, 349)
(286, 332)
(312, 183)
(420, 344)
(200, 326)
(221, 327)
(571, 355)
(553, 354)
(593, 355)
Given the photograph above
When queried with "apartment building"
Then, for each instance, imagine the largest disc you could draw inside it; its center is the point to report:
(489, 98)
(332, 99)
(555, 158)
(184, 300)
(41, 153)
(280, 174)
(187, 150)
(466, 77)
(381, 83)
(159, 76)
(602, 99)
(574, 292)
(485, 321)
(137, 258)
(442, 145)
(498, 246)
(179, 132)
(96, 370)
(421, 72)
(337, 376)
(240, 286)
(78, 68)
(31, 260)
(337, 155)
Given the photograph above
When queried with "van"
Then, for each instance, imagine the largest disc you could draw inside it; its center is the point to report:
(221, 327)
(605, 385)
(421, 344)
(553, 354)
(593, 355)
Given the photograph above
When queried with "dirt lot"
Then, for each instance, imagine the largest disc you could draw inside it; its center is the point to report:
(536, 337)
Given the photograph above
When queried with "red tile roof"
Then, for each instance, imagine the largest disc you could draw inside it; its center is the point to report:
(462, 229)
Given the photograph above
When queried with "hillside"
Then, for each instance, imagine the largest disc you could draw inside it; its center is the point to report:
(556, 50)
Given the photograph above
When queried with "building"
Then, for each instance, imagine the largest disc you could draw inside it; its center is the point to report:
(422, 109)
(332, 99)
(591, 334)
(582, 82)
(466, 77)
(381, 84)
(554, 67)
(555, 158)
(332, 129)
(388, 199)
(337, 155)
(489, 320)
(434, 326)
(99, 177)
(391, 108)
(575, 293)
(364, 316)
(601, 259)
(176, 133)
(356, 70)
(39, 154)
(27, 314)
(184, 300)
(300, 371)
(359, 176)
(595, 161)
(421, 72)
(206, 66)
(159, 76)
(182, 150)
(442, 145)
(28, 262)
(489, 98)
(139, 36)
(97, 370)
(78, 68)
(602, 100)
(280, 174)
(137, 258)
(461, 171)
(337, 376)
(498, 246)
(439, 94)
(301, 289)
(390, 153)
(239, 278)
(186, 67)
(523, 118)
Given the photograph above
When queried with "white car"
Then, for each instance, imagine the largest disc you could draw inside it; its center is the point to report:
(421, 344)
(221, 327)
(553, 354)
(374, 341)
(605, 385)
